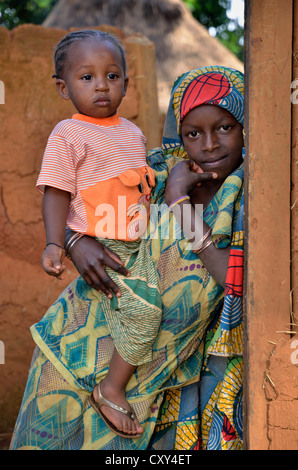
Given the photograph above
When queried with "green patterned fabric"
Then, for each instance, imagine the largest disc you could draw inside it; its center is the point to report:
(74, 342)
(75, 347)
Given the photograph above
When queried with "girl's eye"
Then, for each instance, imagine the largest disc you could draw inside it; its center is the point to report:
(193, 134)
(225, 128)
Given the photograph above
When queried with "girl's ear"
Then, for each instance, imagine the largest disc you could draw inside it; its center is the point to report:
(62, 88)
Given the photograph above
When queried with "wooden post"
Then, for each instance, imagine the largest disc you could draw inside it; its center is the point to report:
(294, 201)
(142, 55)
(268, 77)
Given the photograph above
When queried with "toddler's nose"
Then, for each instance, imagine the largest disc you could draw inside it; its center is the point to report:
(101, 84)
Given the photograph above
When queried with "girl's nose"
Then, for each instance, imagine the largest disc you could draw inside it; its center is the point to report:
(210, 142)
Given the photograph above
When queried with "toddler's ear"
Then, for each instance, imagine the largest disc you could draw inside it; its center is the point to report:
(130, 178)
(62, 89)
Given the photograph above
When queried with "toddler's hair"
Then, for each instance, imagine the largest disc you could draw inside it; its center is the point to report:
(61, 50)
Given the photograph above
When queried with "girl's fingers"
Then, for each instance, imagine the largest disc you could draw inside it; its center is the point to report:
(115, 263)
(98, 279)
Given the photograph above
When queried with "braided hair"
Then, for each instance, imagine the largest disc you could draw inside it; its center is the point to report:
(61, 50)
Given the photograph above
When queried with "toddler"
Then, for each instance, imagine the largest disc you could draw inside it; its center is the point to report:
(95, 179)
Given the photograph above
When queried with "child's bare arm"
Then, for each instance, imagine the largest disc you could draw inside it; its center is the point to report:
(55, 207)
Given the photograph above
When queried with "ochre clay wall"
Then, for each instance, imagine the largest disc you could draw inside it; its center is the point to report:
(281, 393)
(32, 108)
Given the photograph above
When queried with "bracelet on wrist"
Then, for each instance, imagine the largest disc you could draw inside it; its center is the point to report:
(208, 243)
(203, 243)
(177, 201)
(70, 243)
(57, 244)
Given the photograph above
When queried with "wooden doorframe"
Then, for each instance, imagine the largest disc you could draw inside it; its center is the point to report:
(267, 272)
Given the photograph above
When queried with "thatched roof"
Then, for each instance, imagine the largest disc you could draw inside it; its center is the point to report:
(182, 43)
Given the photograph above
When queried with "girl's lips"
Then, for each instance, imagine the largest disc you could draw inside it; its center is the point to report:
(213, 163)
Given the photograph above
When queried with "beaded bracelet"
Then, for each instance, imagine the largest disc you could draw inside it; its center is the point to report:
(177, 201)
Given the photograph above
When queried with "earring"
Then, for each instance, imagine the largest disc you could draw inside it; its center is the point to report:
(244, 135)
(243, 148)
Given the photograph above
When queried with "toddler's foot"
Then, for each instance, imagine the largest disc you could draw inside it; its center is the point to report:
(121, 421)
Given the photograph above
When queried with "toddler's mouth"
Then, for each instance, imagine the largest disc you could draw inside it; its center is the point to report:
(103, 101)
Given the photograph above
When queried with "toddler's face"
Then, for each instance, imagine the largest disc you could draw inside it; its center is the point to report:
(94, 79)
(213, 139)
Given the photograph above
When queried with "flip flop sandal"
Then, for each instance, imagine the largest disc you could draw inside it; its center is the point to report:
(103, 401)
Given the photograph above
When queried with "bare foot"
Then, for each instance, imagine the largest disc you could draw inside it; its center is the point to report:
(120, 420)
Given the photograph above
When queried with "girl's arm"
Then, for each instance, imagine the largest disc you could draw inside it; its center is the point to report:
(181, 182)
(215, 260)
(55, 207)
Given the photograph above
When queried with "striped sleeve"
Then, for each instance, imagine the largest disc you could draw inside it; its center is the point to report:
(58, 165)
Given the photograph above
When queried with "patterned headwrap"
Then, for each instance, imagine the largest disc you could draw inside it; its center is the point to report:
(216, 85)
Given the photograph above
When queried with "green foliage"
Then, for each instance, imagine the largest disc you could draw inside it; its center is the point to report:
(209, 13)
(212, 14)
(16, 12)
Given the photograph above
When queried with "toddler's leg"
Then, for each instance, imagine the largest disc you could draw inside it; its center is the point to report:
(113, 388)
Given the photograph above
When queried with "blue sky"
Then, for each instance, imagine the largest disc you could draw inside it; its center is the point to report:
(237, 11)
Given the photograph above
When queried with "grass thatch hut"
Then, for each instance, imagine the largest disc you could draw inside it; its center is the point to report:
(181, 42)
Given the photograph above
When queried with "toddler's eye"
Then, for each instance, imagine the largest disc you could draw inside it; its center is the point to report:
(87, 77)
(112, 76)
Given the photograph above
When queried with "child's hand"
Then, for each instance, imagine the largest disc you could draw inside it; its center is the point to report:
(52, 261)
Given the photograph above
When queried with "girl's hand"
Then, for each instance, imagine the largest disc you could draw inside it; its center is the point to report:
(183, 178)
(90, 258)
(196, 169)
(52, 261)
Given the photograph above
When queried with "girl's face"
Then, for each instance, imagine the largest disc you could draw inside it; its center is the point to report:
(93, 79)
(213, 139)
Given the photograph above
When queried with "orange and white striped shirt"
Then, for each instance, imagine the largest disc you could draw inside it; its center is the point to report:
(102, 163)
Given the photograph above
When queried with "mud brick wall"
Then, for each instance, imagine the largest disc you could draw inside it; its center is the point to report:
(31, 109)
